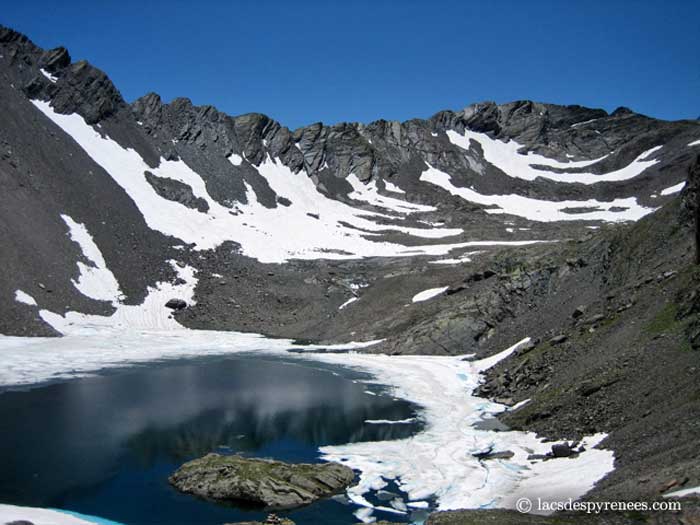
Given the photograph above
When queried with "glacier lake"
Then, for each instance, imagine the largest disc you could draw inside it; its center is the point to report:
(105, 445)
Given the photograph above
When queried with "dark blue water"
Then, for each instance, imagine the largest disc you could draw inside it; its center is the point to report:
(106, 445)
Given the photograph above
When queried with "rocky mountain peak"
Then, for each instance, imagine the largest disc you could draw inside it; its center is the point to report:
(55, 59)
(50, 75)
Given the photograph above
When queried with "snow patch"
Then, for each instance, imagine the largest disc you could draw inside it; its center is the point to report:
(390, 421)
(150, 315)
(456, 260)
(346, 303)
(25, 298)
(235, 159)
(505, 156)
(541, 210)
(428, 294)
(369, 193)
(96, 281)
(683, 492)
(390, 186)
(52, 78)
(673, 189)
(37, 516)
(695, 143)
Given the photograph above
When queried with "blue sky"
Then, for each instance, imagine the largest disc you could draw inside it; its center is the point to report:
(307, 61)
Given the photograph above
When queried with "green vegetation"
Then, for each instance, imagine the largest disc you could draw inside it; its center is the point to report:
(665, 321)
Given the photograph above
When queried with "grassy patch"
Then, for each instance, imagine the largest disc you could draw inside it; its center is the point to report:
(665, 320)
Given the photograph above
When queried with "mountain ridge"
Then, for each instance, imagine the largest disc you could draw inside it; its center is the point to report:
(394, 171)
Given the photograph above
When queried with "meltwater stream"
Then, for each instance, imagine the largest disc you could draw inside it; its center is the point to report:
(106, 445)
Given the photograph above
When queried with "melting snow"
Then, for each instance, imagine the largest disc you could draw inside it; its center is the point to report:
(695, 143)
(235, 159)
(23, 297)
(540, 210)
(48, 75)
(269, 235)
(151, 315)
(36, 516)
(583, 123)
(370, 193)
(505, 156)
(349, 301)
(673, 189)
(458, 260)
(428, 294)
(96, 280)
(682, 492)
(390, 421)
(438, 461)
(390, 186)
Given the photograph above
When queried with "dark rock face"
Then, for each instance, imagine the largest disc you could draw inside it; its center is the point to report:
(692, 202)
(177, 191)
(55, 60)
(272, 484)
(86, 90)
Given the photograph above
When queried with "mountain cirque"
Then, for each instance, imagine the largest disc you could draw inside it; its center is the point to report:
(566, 224)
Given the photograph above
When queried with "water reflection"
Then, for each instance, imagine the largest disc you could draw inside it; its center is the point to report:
(91, 443)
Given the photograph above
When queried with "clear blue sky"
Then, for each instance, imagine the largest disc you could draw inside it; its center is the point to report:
(306, 61)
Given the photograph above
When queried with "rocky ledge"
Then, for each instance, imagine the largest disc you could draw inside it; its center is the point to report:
(272, 484)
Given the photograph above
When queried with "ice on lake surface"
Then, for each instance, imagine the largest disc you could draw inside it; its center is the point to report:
(92, 444)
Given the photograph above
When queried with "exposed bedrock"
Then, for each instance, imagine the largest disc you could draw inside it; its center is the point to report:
(271, 484)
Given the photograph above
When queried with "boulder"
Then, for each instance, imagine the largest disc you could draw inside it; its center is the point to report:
(271, 484)
(176, 304)
(558, 339)
(561, 450)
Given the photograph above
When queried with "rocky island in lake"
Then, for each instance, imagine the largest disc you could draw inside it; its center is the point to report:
(272, 484)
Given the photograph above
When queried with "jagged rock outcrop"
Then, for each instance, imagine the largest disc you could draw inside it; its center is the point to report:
(272, 484)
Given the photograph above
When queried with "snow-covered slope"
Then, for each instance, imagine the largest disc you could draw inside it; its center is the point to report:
(107, 202)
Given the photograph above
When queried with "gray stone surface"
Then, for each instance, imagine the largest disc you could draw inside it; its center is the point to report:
(272, 484)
